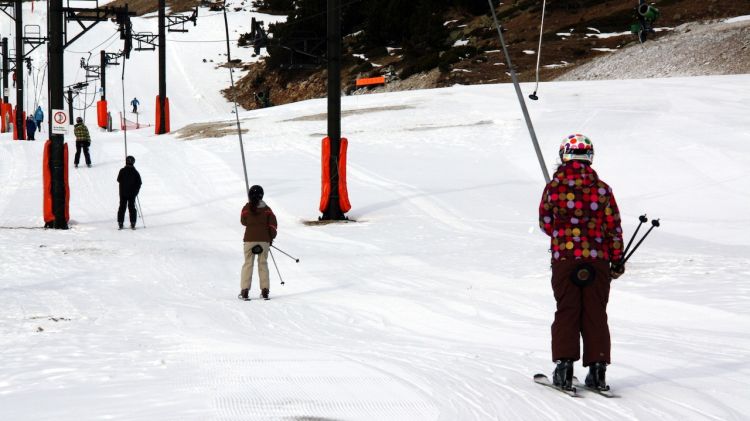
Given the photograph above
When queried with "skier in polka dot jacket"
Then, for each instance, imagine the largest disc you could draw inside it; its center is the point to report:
(579, 212)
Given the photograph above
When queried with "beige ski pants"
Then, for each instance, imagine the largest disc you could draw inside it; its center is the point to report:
(246, 276)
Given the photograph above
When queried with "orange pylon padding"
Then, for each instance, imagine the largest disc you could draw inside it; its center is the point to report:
(158, 114)
(325, 190)
(49, 215)
(101, 113)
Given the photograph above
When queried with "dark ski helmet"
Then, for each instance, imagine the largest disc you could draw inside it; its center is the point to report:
(79, 120)
(130, 160)
(256, 191)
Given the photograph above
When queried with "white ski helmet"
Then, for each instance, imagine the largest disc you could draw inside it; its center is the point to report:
(578, 147)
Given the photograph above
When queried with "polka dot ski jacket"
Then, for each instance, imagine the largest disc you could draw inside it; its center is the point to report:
(578, 211)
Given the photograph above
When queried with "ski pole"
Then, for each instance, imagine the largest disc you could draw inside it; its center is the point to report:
(140, 210)
(274, 264)
(290, 256)
(642, 219)
(654, 224)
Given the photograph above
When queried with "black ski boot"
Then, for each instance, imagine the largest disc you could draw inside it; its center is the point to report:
(264, 293)
(563, 375)
(243, 295)
(596, 377)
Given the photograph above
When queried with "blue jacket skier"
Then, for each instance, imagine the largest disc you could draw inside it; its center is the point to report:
(39, 117)
(135, 103)
(30, 128)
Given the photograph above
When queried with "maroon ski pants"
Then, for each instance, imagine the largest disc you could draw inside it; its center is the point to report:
(581, 312)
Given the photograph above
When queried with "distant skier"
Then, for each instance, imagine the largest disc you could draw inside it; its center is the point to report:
(39, 117)
(578, 211)
(30, 128)
(135, 103)
(260, 230)
(130, 184)
(83, 141)
(263, 99)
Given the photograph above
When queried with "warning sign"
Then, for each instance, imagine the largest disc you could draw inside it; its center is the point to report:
(59, 122)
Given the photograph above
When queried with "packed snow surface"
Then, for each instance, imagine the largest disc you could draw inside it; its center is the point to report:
(435, 305)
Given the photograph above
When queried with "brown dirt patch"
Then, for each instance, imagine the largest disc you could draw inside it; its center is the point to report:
(198, 131)
(345, 113)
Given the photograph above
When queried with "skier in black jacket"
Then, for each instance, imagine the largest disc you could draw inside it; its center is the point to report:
(130, 185)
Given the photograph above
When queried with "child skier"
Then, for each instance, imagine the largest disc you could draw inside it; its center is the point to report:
(260, 230)
(578, 211)
(130, 184)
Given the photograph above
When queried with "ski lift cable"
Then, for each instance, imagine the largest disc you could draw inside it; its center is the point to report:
(517, 87)
(122, 118)
(236, 113)
(84, 97)
(37, 91)
(539, 53)
(94, 48)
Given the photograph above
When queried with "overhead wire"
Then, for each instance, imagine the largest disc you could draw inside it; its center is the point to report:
(539, 53)
(93, 48)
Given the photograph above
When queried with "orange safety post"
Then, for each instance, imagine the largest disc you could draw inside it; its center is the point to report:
(67, 186)
(6, 112)
(158, 115)
(325, 190)
(101, 113)
(49, 214)
(367, 81)
(343, 192)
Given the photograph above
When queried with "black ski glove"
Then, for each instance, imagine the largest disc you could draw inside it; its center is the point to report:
(616, 270)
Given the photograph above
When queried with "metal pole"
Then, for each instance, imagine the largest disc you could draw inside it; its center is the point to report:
(236, 111)
(276, 266)
(162, 67)
(103, 72)
(226, 29)
(124, 123)
(70, 106)
(6, 88)
(641, 220)
(334, 106)
(56, 102)
(287, 254)
(654, 224)
(520, 95)
(20, 126)
(140, 209)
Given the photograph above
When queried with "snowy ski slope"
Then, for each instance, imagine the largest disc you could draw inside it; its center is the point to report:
(435, 305)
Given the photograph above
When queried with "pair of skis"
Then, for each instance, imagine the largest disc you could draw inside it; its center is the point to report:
(573, 391)
(248, 298)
